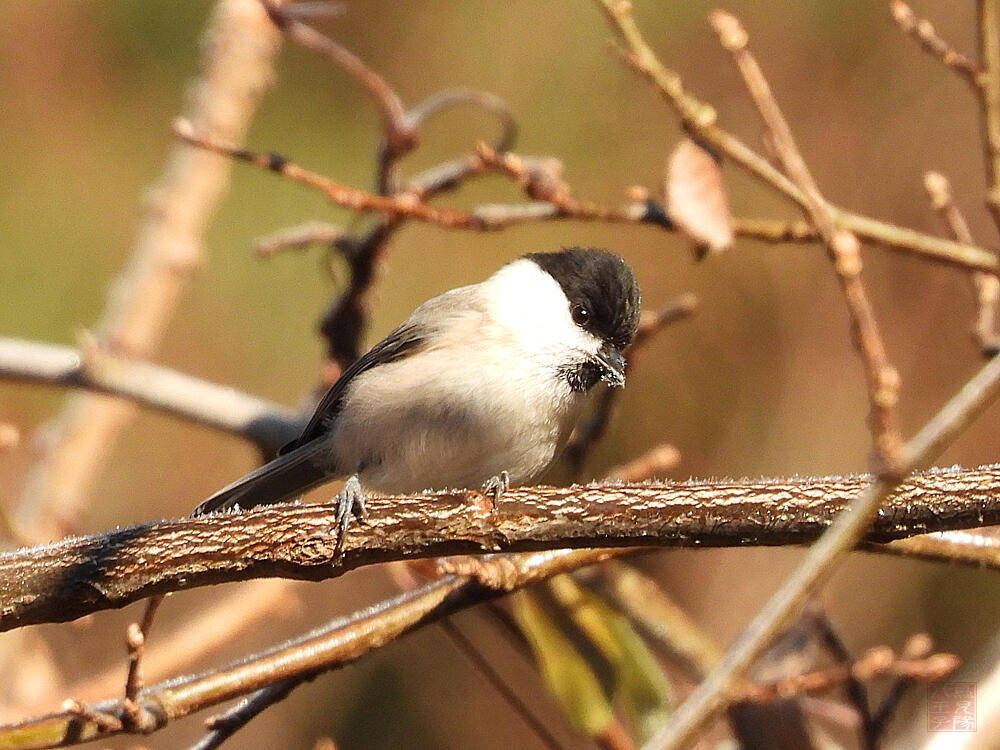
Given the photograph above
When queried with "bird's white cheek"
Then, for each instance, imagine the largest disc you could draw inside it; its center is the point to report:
(529, 306)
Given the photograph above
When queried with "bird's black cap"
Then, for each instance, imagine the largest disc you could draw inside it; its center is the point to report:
(599, 283)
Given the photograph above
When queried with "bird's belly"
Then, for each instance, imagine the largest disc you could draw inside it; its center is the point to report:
(438, 438)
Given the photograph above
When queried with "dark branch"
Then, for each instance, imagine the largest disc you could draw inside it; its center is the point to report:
(77, 576)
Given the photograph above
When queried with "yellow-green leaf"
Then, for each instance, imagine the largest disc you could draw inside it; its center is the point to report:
(567, 674)
(640, 686)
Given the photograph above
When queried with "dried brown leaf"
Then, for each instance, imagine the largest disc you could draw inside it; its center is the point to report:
(696, 198)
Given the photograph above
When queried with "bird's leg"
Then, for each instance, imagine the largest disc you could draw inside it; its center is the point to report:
(494, 487)
(350, 502)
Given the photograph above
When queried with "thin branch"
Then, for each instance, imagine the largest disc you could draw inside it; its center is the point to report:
(923, 32)
(266, 424)
(346, 317)
(347, 314)
(882, 378)
(976, 547)
(337, 193)
(81, 713)
(202, 634)
(875, 663)
(134, 718)
(919, 646)
(400, 135)
(845, 531)
(298, 238)
(542, 179)
(701, 120)
(239, 46)
(986, 286)
(535, 175)
(270, 675)
(76, 576)
(506, 691)
(330, 647)
(411, 205)
(225, 725)
(988, 85)
(460, 96)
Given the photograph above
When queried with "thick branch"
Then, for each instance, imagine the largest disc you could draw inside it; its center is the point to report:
(63, 581)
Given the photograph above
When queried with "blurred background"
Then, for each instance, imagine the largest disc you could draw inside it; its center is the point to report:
(763, 381)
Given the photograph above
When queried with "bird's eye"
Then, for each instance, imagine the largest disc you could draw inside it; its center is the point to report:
(580, 315)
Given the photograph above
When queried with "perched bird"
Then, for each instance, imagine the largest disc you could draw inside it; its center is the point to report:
(480, 386)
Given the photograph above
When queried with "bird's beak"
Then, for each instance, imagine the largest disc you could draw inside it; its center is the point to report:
(612, 365)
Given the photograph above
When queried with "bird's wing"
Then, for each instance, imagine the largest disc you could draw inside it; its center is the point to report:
(410, 337)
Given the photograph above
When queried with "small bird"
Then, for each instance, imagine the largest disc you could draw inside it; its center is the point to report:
(480, 386)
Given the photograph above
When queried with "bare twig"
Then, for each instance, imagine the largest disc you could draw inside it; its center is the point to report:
(537, 177)
(843, 534)
(988, 85)
(985, 285)
(298, 238)
(410, 204)
(330, 647)
(134, 718)
(877, 662)
(223, 408)
(270, 675)
(846, 530)
(977, 547)
(81, 713)
(203, 634)
(700, 119)
(337, 193)
(400, 135)
(881, 376)
(225, 725)
(460, 96)
(774, 230)
(919, 646)
(923, 31)
(239, 47)
(346, 317)
(507, 692)
(80, 575)
(542, 179)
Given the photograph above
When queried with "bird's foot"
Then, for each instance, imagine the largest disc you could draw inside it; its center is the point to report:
(494, 487)
(350, 503)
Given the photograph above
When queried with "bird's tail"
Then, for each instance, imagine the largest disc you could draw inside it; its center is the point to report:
(282, 479)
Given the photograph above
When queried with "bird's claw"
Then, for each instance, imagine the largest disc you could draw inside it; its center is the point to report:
(350, 502)
(494, 487)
